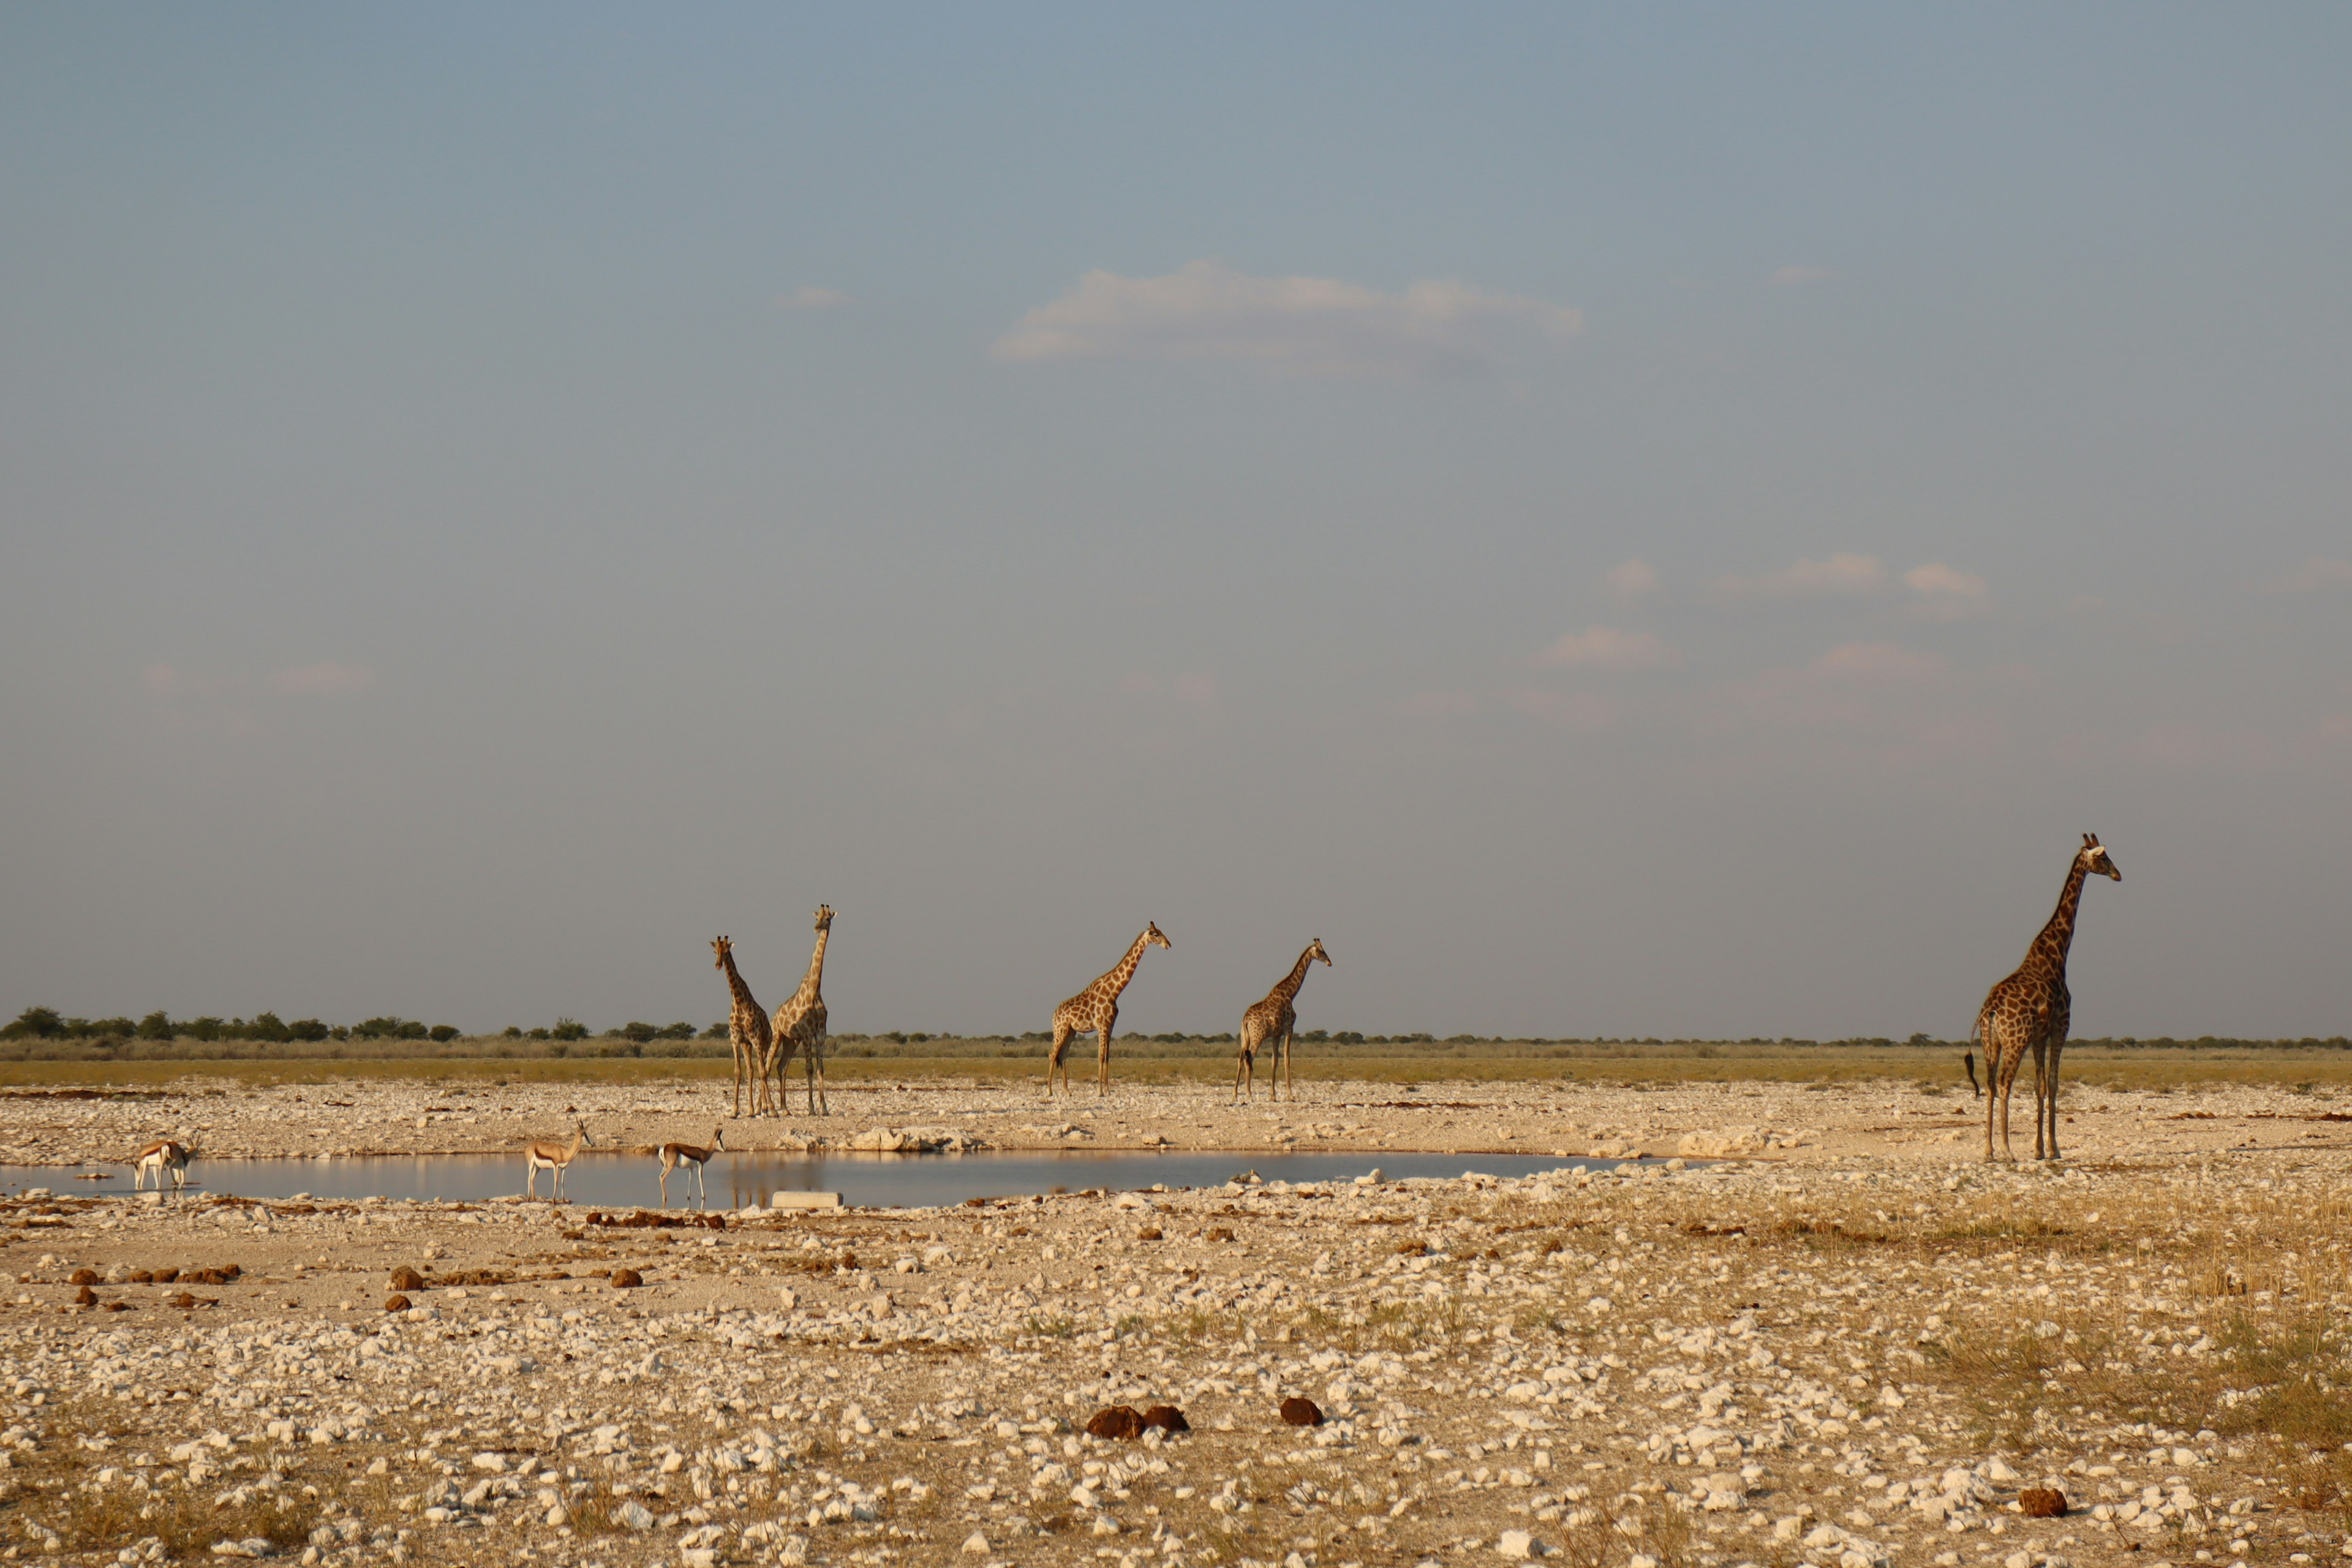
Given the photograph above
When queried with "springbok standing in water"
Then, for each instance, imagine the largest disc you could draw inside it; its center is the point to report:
(540, 1154)
(673, 1155)
(158, 1157)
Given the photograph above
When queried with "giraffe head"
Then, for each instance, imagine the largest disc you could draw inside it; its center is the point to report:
(721, 947)
(825, 917)
(2093, 858)
(1315, 949)
(1156, 937)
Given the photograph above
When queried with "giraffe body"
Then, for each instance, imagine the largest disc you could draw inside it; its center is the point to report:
(747, 1030)
(799, 1026)
(1273, 1019)
(1094, 1011)
(2030, 1011)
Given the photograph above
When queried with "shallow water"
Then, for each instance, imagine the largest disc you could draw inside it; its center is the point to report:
(887, 1181)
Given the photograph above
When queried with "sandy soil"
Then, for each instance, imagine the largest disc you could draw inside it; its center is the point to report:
(1861, 1350)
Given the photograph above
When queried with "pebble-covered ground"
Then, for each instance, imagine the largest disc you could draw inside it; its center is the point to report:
(1892, 1122)
(1824, 1355)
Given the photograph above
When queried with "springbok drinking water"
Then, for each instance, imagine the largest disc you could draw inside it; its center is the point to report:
(157, 1158)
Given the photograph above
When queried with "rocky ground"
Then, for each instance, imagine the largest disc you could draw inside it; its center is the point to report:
(1895, 1122)
(1842, 1353)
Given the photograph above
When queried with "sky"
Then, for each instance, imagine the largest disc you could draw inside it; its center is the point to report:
(1650, 521)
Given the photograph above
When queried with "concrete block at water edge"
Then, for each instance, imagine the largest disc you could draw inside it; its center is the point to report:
(805, 1200)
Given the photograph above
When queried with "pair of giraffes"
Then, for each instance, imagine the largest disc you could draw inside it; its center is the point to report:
(764, 1046)
(1271, 1020)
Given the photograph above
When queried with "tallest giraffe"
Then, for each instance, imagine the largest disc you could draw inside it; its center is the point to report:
(2031, 1010)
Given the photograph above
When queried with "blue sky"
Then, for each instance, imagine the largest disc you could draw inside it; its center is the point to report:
(1657, 521)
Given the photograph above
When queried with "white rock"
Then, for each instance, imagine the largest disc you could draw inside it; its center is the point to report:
(1518, 1545)
(975, 1544)
(633, 1514)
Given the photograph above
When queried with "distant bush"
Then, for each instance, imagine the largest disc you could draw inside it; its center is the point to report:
(634, 1032)
(568, 1029)
(540, 1035)
(678, 1031)
(267, 1026)
(716, 1031)
(388, 1028)
(308, 1029)
(204, 1029)
(442, 1033)
(1348, 1037)
(35, 1024)
(514, 1031)
(156, 1026)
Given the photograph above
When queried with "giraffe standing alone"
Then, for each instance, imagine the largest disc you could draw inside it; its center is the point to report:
(799, 1026)
(2029, 1011)
(1094, 1010)
(1273, 1019)
(747, 1030)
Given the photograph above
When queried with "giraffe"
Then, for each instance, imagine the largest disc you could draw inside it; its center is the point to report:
(747, 1030)
(1273, 1019)
(2030, 1012)
(799, 1026)
(1094, 1010)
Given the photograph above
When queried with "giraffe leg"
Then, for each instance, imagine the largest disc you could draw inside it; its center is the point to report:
(1245, 1080)
(2041, 1080)
(1102, 1066)
(2056, 1048)
(1289, 1089)
(1062, 1033)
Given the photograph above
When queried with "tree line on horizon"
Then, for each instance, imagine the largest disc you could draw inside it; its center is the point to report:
(268, 1029)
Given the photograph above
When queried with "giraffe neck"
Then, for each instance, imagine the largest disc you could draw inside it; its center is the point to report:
(742, 992)
(2058, 936)
(1116, 981)
(1297, 977)
(813, 981)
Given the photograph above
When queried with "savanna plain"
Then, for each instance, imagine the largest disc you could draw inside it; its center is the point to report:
(1813, 1327)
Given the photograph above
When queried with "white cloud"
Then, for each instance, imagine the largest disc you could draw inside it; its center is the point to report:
(1945, 592)
(1790, 277)
(2317, 575)
(322, 679)
(1285, 326)
(1605, 647)
(1633, 580)
(809, 296)
(1842, 575)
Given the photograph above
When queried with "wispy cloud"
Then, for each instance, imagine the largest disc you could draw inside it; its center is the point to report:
(2317, 575)
(1945, 592)
(809, 296)
(1605, 647)
(1315, 327)
(1637, 579)
(1790, 277)
(322, 679)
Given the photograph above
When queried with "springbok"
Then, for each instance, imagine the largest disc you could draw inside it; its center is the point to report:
(540, 1154)
(673, 1155)
(157, 1158)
